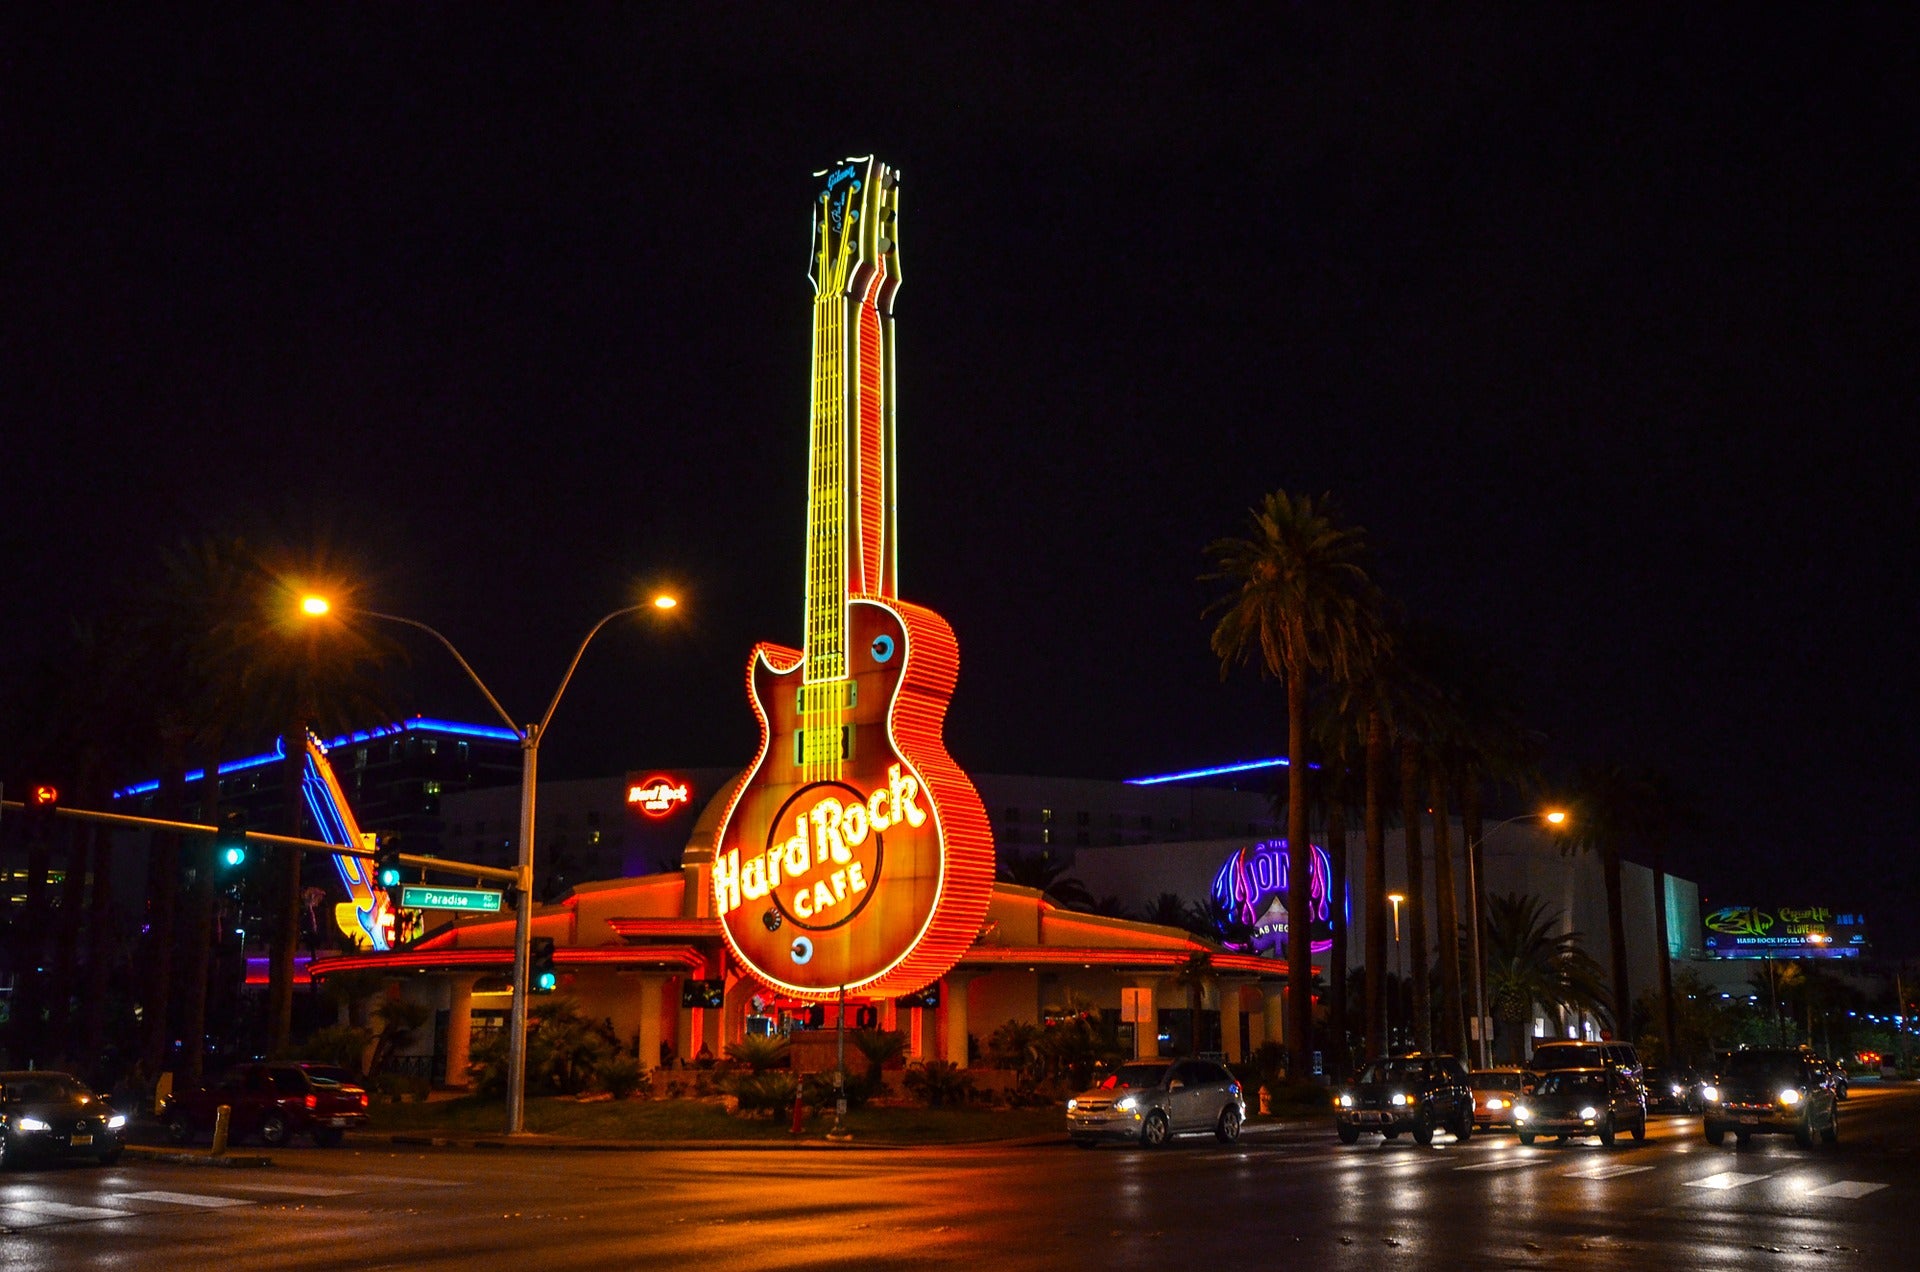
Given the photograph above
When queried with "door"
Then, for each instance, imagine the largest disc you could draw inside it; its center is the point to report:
(1189, 1099)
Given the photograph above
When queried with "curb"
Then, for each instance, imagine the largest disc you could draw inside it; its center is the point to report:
(230, 1161)
(817, 1145)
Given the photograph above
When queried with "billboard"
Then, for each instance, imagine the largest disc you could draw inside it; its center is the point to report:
(1746, 931)
(1250, 890)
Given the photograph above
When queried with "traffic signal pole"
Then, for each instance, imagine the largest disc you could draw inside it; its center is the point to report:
(523, 927)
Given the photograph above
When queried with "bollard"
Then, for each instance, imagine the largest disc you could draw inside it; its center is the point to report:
(799, 1110)
(222, 1120)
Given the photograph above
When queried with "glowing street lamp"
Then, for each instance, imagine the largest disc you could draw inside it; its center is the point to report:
(1556, 819)
(530, 736)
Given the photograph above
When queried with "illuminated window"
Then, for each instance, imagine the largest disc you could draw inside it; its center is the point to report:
(1046, 816)
(460, 751)
(433, 746)
(430, 788)
(1046, 834)
(359, 757)
(593, 836)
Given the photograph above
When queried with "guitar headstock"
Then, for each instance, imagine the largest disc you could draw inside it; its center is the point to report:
(856, 229)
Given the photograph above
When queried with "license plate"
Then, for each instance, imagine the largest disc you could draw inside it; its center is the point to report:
(338, 1121)
(1751, 1120)
(79, 1140)
(1370, 1119)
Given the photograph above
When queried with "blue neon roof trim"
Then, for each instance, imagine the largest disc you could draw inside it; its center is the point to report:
(492, 732)
(1216, 771)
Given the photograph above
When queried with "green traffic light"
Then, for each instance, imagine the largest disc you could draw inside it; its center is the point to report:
(547, 982)
(235, 855)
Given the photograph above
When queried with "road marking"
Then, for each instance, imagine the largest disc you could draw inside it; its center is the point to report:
(183, 1199)
(415, 1180)
(1604, 1172)
(292, 1190)
(1726, 1179)
(66, 1210)
(1846, 1189)
(1503, 1165)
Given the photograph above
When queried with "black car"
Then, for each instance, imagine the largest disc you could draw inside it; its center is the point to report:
(44, 1114)
(1573, 1054)
(1673, 1090)
(1568, 1102)
(1414, 1092)
(1772, 1091)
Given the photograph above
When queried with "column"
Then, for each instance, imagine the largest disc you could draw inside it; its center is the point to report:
(953, 1016)
(459, 1029)
(651, 984)
(1274, 996)
(1146, 1033)
(1230, 1019)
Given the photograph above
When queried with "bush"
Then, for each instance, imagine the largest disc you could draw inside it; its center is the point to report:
(820, 1095)
(400, 1086)
(939, 1082)
(759, 1053)
(620, 1076)
(342, 1045)
(768, 1092)
(563, 1052)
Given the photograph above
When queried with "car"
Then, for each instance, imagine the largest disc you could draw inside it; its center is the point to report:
(273, 1102)
(45, 1114)
(1771, 1091)
(1151, 1101)
(1574, 1102)
(1573, 1054)
(1494, 1092)
(1672, 1089)
(1416, 1092)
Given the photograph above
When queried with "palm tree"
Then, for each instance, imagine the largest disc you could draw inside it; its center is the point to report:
(1300, 602)
(1616, 808)
(1342, 787)
(1166, 909)
(1194, 975)
(1040, 871)
(1531, 966)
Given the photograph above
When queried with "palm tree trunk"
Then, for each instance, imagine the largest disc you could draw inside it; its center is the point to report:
(66, 963)
(200, 927)
(286, 938)
(1375, 885)
(1616, 940)
(1453, 1034)
(1299, 882)
(100, 930)
(1473, 828)
(1337, 918)
(163, 887)
(1669, 1017)
(1410, 813)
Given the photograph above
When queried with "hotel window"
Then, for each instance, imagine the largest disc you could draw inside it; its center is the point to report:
(359, 757)
(460, 751)
(1046, 816)
(430, 787)
(432, 745)
(593, 836)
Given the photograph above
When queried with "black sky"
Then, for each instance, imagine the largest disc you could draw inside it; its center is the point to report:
(1598, 321)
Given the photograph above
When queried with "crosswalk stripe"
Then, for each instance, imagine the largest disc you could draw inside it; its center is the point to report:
(1846, 1189)
(66, 1210)
(184, 1199)
(291, 1190)
(1604, 1172)
(1501, 1165)
(1725, 1179)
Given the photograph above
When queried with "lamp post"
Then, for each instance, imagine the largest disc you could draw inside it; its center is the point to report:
(1555, 818)
(530, 736)
(1399, 971)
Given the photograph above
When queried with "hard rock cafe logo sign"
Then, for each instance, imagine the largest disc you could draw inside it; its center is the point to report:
(657, 796)
(825, 849)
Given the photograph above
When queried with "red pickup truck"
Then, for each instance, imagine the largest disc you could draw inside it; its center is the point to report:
(272, 1101)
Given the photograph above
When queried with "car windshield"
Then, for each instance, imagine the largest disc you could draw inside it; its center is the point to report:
(1487, 1080)
(1569, 1057)
(1573, 1084)
(1384, 1071)
(1763, 1066)
(1134, 1075)
(44, 1088)
(324, 1074)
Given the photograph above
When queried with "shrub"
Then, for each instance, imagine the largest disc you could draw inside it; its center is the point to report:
(563, 1052)
(343, 1045)
(820, 1095)
(759, 1053)
(881, 1047)
(620, 1076)
(767, 1092)
(939, 1082)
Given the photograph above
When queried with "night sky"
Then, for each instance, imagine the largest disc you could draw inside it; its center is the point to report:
(1601, 325)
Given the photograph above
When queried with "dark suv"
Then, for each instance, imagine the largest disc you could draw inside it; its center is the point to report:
(1415, 1092)
(1584, 1055)
(1771, 1091)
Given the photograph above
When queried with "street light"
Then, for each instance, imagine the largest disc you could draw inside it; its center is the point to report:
(1557, 819)
(530, 736)
(1399, 971)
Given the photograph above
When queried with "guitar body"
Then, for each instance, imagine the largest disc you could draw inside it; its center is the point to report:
(861, 911)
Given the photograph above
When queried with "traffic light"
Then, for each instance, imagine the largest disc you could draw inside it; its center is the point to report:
(230, 841)
(38, 808)
(541, 978)
(386, 863)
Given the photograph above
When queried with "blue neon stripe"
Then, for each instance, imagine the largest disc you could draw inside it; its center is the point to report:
(1216, 771)
(491, 732)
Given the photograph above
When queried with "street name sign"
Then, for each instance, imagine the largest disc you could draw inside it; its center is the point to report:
(474, 899)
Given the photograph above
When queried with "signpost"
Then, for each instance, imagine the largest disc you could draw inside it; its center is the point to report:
(472, 900)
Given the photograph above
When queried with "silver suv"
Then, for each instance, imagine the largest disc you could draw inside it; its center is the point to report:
(1153, 1100)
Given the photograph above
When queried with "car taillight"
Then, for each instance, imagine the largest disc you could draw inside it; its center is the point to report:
(363, 1099)
(313, 1101)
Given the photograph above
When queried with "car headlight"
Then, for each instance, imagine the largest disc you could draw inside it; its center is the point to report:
(1127, 1102)
(1073, 1104)
(1589, 1111)
(1789, 1096)
(33, 1124)
(1346, 1101)
(1710, 1093)
(117, 1121)
(1521, 1112)
(1679, 1091)
(1406, 1099)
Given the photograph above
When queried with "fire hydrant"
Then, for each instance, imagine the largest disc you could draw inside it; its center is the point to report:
(1266, 1102)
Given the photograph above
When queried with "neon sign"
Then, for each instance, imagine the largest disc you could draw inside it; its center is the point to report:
(1251, 889)
(1745, 931)
(657, 796)
(854, 854)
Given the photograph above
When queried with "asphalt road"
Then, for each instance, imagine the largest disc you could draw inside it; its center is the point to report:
(1293, 1198)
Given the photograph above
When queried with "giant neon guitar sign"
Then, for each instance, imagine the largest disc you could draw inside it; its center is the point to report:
(854, 855)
